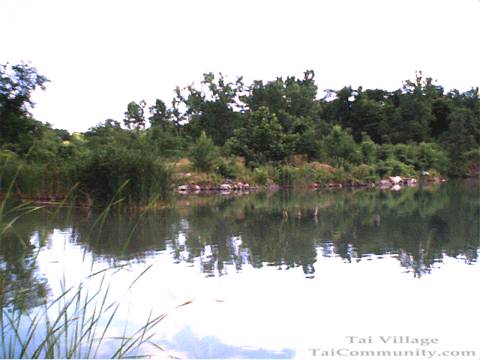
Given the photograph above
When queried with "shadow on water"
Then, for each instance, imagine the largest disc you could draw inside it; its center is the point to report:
(418, 226)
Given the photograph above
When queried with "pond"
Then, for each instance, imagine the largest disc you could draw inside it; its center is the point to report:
(269, 275)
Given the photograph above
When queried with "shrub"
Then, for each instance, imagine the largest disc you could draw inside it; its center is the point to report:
(260, 176)
(286, 175)
(323, 176)
(204, 153)
(369, 150)
(227, 169)
(340, 147)
(405, 153)
(364, 172)
(431, 156)
(340, 175)
(392, 167)
(385, 152)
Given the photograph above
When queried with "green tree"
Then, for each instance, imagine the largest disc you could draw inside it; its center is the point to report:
(368, 149)
(261, 139)
(431, 156)
(17, 83)
(160, 116)
(204, 153)
(462, 136)
(340, 147)
(213, 108)
(292, 100)
(134, 116)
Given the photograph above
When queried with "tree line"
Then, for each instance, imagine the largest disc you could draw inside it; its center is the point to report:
(276, 128)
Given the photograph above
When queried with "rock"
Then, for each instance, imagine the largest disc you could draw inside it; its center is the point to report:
(384, 183)
(238, 186)
(195, 188)
(395, 180)
(225, 187)
(410, 182)
(396, 187)
(182, 188)
(424, 173)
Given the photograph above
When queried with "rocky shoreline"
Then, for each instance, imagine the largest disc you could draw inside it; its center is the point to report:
(392, 182)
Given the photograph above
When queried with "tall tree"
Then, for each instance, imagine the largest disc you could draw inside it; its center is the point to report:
(261, 139)
(17, 83)
(213, 108)
(135, 115)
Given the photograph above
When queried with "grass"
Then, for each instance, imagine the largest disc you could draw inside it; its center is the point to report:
(74, 325)
(78, 322)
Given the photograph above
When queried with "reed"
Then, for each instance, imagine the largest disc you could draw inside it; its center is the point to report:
(77, 323)
(74, 325)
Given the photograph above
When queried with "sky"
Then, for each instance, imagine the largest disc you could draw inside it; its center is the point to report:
(100, 55)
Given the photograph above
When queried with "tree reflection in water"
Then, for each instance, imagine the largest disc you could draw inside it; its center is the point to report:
(419, 226)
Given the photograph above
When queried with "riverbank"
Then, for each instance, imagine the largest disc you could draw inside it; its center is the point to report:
(312, 175)
(183, 180)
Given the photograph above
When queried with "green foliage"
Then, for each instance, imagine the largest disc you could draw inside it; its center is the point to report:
(166, 143)
(471, 159)
(416, 127)
(204, 153)
(228, 169)
(286, 175)
(260, 176)
(323, 176)
(393, 167)
(340, 147)
(462, 136)
(213, 108)
(369, 150)
(261, 139)
(364, 173)
(134, 116)
(17, 83)
(405, 153)
(431, 156)
(141, 176)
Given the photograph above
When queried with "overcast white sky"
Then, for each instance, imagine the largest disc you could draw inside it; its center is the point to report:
(100, 55)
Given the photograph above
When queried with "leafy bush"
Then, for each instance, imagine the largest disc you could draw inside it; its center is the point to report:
(340, 147)
(227, 169)
(407, 154)
(260, 176)
(431, 156)
(385, 151)
(392, 167)
(364, 172)
(204, 153)
(340, 176)
(286, 175)
(369, 150)
(323, 176)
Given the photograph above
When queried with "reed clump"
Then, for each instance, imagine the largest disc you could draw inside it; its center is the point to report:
(74, 325)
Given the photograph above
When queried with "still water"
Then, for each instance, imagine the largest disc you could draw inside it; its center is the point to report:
(269, 275)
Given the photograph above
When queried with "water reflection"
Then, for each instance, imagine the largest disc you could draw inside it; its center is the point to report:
(419, 226)
(20, 282)
(192, 346)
